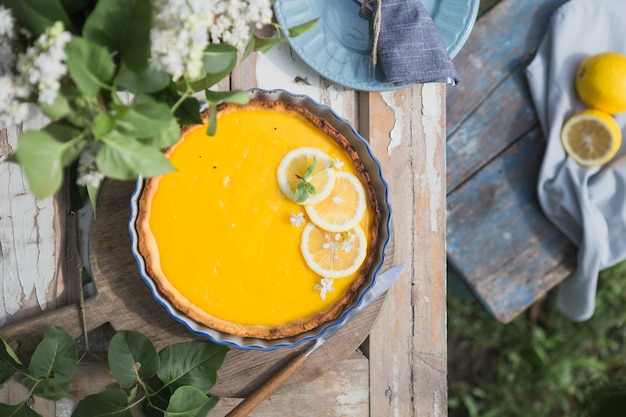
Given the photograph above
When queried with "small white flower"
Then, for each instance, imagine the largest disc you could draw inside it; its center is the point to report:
(88, 173)
(297, 220)
(348, 243)
(337, 163)
(13, 110)
(7, 22)
(325, 286)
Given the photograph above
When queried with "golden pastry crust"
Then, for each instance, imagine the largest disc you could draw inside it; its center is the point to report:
(148, 248)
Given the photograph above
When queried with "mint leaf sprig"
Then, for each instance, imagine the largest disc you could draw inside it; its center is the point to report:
(305, 189)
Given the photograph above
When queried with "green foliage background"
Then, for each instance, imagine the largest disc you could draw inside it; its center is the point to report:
(540, 364)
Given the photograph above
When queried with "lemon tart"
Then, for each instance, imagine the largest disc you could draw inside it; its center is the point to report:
(229, 239)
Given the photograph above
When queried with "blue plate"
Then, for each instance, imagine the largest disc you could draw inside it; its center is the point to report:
(339, 46)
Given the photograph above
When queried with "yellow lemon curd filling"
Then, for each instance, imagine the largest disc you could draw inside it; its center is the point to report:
(223, 226)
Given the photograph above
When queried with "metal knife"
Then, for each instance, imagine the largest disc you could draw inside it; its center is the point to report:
(381, 284)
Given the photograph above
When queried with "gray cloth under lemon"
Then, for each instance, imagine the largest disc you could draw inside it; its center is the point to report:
(587, 204)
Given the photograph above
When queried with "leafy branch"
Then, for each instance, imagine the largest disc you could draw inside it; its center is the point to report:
(172, 382)
(92, 129)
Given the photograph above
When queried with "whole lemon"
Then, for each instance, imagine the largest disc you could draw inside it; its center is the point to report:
(601, 82)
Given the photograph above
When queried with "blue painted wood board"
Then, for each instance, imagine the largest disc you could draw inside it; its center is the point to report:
(499, 241)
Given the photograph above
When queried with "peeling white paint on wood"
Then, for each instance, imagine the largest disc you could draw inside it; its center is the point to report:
(432, 118)
(280, 64)
(395, 135)
(27, 235)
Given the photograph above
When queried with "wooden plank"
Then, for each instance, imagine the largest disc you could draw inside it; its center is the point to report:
(14, 393)
(505, 116)
(37, 248)
(507, 251)
(340, 392)
(281, 69)
(502, 40)
(408, 375)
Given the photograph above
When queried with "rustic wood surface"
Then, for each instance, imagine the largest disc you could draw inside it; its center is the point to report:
(499, 240)
(404, 370)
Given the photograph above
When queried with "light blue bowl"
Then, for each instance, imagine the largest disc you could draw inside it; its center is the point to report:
(380, 187)
(339, 46)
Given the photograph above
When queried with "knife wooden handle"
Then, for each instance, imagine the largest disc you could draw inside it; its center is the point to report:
(268, 387)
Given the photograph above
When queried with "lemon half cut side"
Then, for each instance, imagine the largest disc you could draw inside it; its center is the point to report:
(591, 137)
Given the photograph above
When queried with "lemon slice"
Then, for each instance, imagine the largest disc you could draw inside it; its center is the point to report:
(293, 168)
(333, 254)
(591, 137)
(343, 208)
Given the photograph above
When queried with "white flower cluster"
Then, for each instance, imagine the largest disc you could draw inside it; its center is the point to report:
(182, 29)
(34, 73)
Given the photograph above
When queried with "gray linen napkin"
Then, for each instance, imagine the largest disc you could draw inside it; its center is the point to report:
(410, 48)
(587, 204)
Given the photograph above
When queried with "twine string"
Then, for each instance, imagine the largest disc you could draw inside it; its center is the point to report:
(376, 24)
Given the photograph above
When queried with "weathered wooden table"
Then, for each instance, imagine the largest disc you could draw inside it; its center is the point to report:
(400, 370)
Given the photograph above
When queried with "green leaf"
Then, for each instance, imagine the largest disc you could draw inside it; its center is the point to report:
(234, 96)
(168, 137)
(125, 158)
(265, 44)
(93, 193)
(89, 64)
(40, 156)
(56, 356)
(75, 6)
(9, 363)
(189, 112)
(145, 119)
(145, 80)
(132, 356)
(193, 363)
(309, 171)
(304, 27)
(19, 410)
(218, 61)
(124, 26)
(303, 190)
(109, 403)
(72, 139)
(186, 401)
(250, 47)
(37, 15)
(48, 388)
(212, 127)
(102, 125)
(58, 109)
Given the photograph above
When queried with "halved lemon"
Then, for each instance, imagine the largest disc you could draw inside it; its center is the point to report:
(591, 137)
(333, 254)
(343, 208)
(295, 167)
